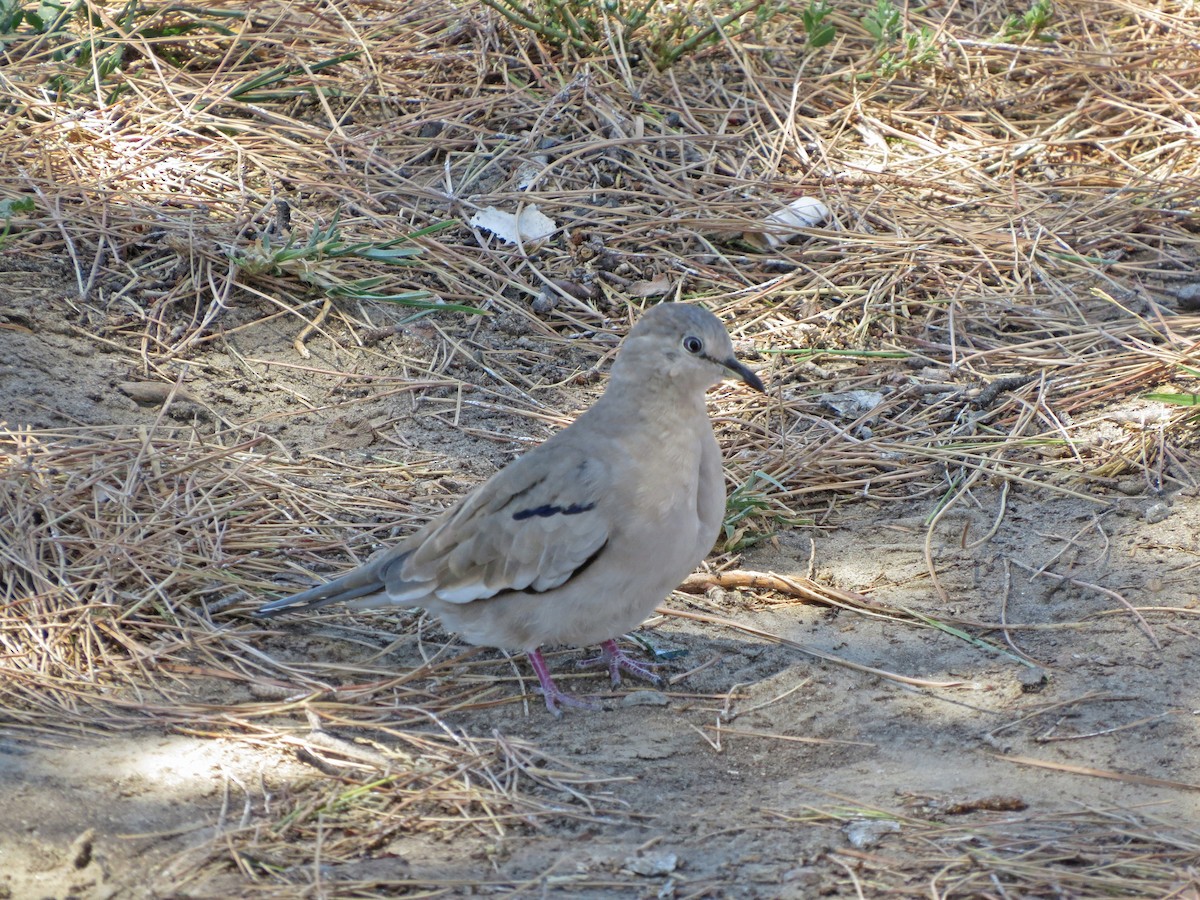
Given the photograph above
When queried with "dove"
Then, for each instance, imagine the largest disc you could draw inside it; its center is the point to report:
(577, 541)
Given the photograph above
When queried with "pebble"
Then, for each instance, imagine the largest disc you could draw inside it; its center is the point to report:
(1156, 512)
(652, 864)
(866, 833)
(1132, 487)
(646, 698)
(1032, 680)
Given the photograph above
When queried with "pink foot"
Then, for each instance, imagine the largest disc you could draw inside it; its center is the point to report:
(615, 659)
(554, 696)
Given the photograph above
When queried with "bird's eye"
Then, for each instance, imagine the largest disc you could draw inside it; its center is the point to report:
(693, 344)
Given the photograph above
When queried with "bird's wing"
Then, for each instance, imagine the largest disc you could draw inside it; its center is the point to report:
(533, 526)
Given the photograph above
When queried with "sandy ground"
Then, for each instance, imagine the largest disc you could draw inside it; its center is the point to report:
(764, 773)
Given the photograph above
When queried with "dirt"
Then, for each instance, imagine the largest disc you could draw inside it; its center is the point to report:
(766, 772)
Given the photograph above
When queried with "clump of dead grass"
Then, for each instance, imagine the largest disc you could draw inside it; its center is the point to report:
(977, 229)
(964, 851)
(379, 787)
(121, 553)
(115, 544)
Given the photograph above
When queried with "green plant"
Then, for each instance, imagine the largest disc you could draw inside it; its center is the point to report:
(750, 515)
(7, 208)
(12, 15)
(886, 25)
(670, 30)
(818, 32)
(316, 262)
(1175, 399)
(1178, 399)
(810, 352)
(916, 49)
(251, 89)
(1032, 23)
(883, 23)
(45, 17)
(89, 47)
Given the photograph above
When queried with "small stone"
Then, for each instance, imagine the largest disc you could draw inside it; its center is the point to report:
(1188, 296)
(803, 876)
(646, 698)
(1131, 487)
(652, 864)
(80, 852)
(868, 832)
(761, 873)
(1156, 512)
(651, 752)
(1032, 680)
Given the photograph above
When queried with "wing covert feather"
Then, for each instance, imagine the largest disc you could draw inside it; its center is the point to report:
(530, 527)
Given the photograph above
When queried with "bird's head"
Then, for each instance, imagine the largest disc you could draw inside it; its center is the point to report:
(684, 344)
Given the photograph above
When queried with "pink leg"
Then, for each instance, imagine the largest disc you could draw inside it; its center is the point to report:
(615, 659)
(550, 690)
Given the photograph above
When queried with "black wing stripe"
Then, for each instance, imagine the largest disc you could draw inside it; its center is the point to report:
(547, 510)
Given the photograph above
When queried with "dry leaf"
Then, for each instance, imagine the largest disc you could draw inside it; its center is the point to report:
(150, 393)
(661, 284)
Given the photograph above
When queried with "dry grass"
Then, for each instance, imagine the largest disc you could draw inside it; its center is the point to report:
(1011, 222)
(971, 852)
(119, 548)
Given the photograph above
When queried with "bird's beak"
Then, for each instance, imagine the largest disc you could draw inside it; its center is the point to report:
(745, 373)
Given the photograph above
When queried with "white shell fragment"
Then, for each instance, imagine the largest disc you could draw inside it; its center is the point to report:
(525, 227)
(864, 833)
(783, 225)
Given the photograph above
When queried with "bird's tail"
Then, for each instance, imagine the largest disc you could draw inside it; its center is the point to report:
(354, 584)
